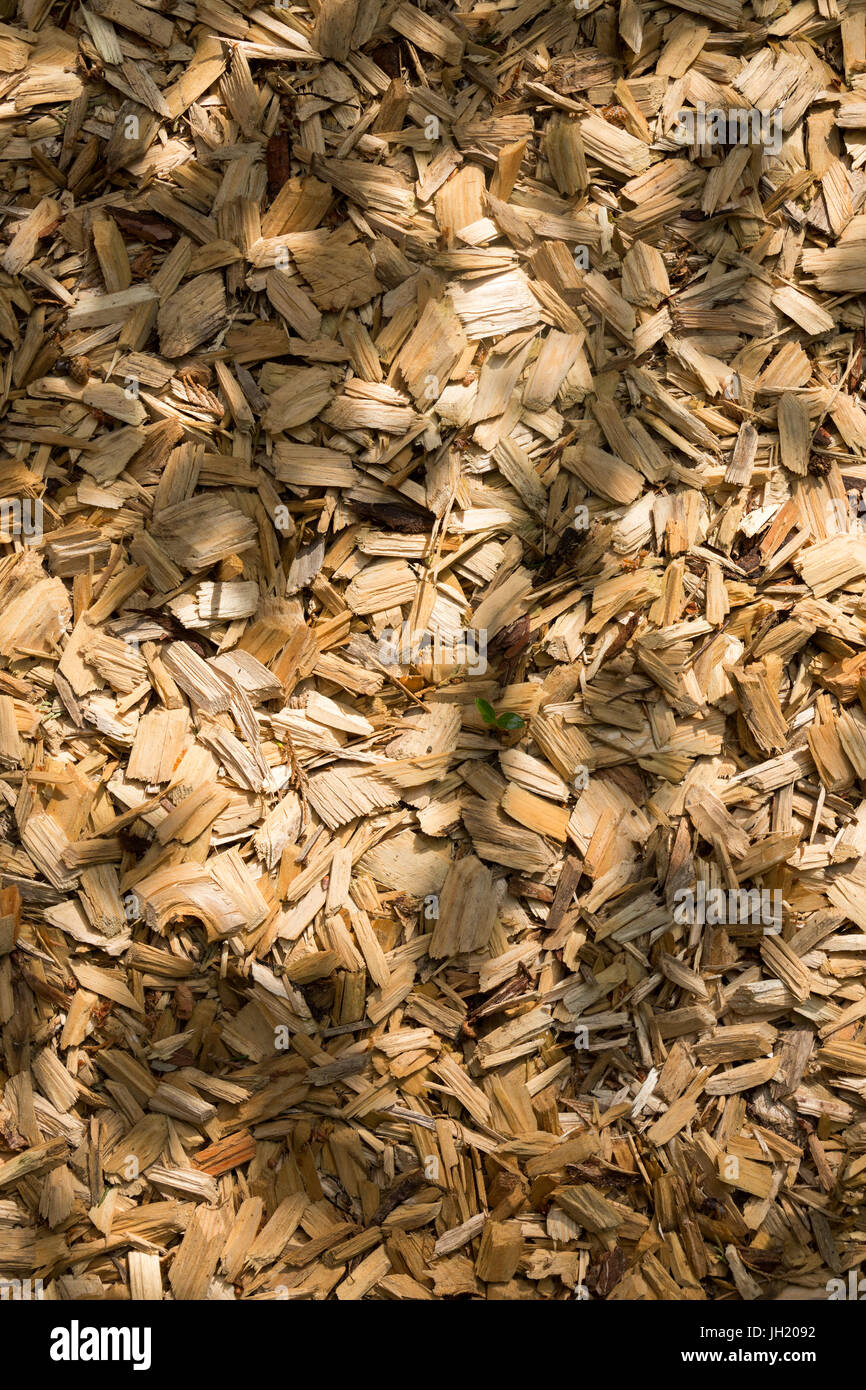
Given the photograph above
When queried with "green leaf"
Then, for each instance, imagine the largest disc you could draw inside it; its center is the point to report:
(510, 721)
(487, 712)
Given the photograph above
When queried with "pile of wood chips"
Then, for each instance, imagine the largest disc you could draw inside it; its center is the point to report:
(431, 606)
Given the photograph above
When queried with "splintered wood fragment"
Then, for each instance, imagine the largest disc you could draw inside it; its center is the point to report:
(430, 354)
(196, 1260)
(21, 249)
(226, 1154)
(278, 1231)
(192, 315)
(603, 473)
(564, 149)
(427, 33)
(364, 1277)
(499, 1251)
(514, 465)
(569, 1150)
(794, 433)
(745, 1175)
(745, 1078)
(759, 703)
(467, 909)
(10, 919)
(145, 1278)
(33, 1162)
(743, 458)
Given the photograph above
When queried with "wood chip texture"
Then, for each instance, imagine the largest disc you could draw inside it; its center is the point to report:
(432, 650)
